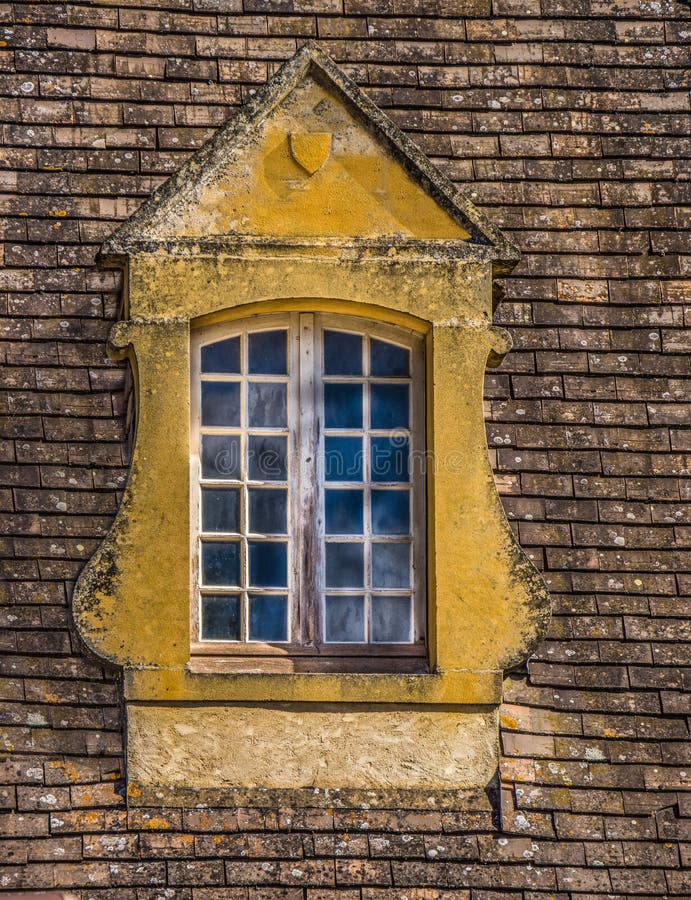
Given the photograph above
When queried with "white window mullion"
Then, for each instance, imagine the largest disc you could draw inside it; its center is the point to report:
(419, 474)
(307, 546)
(367, 486)
(244, 562)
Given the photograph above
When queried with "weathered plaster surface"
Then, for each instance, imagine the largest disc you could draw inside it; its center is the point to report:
(299, 747)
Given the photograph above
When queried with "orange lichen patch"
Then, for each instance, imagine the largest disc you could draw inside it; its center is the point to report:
(58, 213)
(91, 817)
(156, 823)
(68, 772)
(508, 722)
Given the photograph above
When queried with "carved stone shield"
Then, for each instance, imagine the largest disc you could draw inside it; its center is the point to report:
(310, 150)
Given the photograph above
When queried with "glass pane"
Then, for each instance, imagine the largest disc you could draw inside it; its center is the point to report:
(221, 403)
(267, 457)
(220, 456)
(389, 406)
(389, 458)
(220, 617)
(390, 565)
(267, 404)
(342, 353)
(268, 564)
(267, 353)
(268, 511)
(391, 620)
(268, 618)
(344, 565)
(223, 356)
(220, 510)
(389, 359)
(344, 619)
(390, 512)
(343, 405)
(343, 458)
(344, 512)
(221, 562)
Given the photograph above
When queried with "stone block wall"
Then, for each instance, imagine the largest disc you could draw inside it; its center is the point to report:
(568, 123)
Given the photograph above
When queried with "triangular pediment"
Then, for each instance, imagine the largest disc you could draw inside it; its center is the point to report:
(311, 158)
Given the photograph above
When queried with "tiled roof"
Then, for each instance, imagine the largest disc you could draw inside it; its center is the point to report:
(567, 124)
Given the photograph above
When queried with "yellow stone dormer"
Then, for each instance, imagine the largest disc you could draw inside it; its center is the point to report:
(307, 285)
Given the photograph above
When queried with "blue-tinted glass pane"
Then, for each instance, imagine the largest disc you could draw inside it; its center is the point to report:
(343, 512)
(390, 458)
(221, 617)
(390, 512)
(390, 565)
(342, 353)
(223, 356)
(220, 510)
(267, 405)
(344, 619)
(390, 620)
(221, 563)
(343, 458)
(221, 403)
(267, 457)
(267, 353)
(389, 359)
(389, 406)
(344, 565)
(268, 564)
(268, 511)
(343, 405)
(268, 617)
(220, 456)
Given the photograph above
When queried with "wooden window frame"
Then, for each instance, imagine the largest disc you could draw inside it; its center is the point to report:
(305, 650)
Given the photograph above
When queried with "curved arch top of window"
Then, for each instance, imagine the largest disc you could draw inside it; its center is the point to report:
(308, 487)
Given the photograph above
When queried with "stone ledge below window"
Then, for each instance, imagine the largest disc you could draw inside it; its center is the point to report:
(445, 688)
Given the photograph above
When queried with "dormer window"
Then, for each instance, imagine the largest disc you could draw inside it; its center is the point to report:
(311, 583)
(308, 471)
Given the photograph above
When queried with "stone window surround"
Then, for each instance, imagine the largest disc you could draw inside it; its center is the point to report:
(486, 604)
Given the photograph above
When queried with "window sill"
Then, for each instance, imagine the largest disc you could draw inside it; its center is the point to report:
(257, 664)
(215, 658)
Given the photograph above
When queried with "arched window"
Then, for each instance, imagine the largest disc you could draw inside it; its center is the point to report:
(308, 492)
